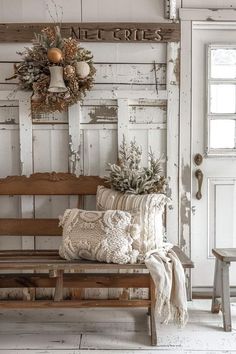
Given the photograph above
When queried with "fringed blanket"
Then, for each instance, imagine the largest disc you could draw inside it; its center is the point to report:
(169, 278)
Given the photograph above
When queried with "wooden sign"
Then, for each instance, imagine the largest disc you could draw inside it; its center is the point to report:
(96, 32)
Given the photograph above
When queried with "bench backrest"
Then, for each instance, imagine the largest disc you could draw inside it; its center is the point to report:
(50, 184)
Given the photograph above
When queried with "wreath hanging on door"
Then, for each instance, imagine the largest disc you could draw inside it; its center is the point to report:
(56, 69)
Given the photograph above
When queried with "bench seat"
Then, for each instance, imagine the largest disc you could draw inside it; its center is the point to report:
(50, 259)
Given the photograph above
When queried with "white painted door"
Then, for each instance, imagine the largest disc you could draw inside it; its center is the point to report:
(214, 137)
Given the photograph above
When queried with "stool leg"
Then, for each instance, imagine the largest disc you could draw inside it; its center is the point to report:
(215, 305)
(152, 312)
(226, 296)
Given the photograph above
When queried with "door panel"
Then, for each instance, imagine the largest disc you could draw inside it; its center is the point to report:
(213, 223)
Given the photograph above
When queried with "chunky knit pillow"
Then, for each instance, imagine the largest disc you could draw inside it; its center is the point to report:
(102, 236)
(149, 208)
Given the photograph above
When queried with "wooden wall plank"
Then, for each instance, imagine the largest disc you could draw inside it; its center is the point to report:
(10, 165)
(111, 10)
(9, 152)
(26, 159)
(104, 111)
(9, 112)
(123, 121)
(185, 146)
(144, 113)
(172, 163)
(51, 147)
(111, 75)
(74, 139)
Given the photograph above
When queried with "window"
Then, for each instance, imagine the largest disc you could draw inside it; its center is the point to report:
(221, 110)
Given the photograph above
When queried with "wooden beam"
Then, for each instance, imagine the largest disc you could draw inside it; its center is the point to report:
(96, 32)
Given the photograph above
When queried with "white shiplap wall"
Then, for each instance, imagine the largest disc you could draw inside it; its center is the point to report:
(124, 101)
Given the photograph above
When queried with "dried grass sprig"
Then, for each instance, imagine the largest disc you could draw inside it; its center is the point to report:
(128, 176)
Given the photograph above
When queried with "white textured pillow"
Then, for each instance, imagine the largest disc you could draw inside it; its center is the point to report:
(150, 208)
(102, 236)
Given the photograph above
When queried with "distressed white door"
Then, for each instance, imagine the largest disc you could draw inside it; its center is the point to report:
(214, 137)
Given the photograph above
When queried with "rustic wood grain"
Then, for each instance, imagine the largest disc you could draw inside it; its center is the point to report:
(24, 260)
(30, 227)
(96, 32)
(225, 254)
(185, 260)
(84, 280)
(50, 184)
(56, 262)
(152, 312)
(58, 294)
(73, 304)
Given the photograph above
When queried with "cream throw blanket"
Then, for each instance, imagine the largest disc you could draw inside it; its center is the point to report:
(169, 278)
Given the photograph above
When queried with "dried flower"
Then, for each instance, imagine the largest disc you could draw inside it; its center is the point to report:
(33, 72)
(49, 33)
(70, 49)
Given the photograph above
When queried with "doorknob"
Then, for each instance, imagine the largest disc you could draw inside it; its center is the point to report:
(199, 176)
(198, 159)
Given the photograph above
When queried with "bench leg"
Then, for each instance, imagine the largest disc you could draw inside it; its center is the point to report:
(217, 288)
(58, 294)
(226, 296)
(151, 310)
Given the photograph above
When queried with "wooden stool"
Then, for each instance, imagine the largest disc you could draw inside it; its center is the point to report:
(221, 284)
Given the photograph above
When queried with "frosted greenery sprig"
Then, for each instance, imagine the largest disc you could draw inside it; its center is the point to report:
(128, 176)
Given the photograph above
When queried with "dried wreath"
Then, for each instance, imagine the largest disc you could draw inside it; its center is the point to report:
(128, 176)
(57, 69)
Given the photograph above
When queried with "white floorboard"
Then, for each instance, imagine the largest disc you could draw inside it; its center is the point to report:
(100, 331)
(205, 336)
(141, 351)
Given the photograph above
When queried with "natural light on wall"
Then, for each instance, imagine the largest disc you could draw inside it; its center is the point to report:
(221, 113)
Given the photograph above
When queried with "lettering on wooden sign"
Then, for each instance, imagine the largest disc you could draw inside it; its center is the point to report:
(96, 32)
(118, 34)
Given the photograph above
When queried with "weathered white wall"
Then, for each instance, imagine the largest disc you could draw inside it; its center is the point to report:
(123, 100)
(98, 10)
(207, 4)
(83, 10)
(152, 119)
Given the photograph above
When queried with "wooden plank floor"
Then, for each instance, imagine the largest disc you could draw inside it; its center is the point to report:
(100, 331)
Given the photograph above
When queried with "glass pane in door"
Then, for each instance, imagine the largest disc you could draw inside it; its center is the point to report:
(223, 63)
(222, 98)
(222, 133)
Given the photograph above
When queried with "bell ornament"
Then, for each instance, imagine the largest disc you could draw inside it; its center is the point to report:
(57, 83)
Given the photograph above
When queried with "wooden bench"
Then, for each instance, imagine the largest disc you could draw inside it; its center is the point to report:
(28, 266)
(221, 288)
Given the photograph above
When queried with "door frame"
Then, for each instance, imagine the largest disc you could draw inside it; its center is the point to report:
(187, 17)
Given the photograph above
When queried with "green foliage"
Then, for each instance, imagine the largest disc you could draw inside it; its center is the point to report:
(128, 176)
